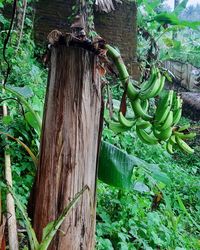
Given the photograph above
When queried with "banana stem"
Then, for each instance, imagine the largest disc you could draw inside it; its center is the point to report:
(119, 63)
(124, 76)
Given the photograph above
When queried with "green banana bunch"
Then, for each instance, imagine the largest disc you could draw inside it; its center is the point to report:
(117, 127)
(163, 108)
(177, 110)
(145, 136)
(163, 121)
(139, 111)
(163, 135)
(132, 92)
(142, 124)
(179, 135)
(125, 122)
(184, 146)
(162, 126)
(153, 86)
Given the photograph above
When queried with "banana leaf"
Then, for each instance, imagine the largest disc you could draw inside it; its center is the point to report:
(180, 7)
(172, 19)
(116, 168)
(22, 94)
(25, 91)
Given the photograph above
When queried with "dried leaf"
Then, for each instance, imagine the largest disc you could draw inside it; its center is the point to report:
(101, 70)
(104, 5)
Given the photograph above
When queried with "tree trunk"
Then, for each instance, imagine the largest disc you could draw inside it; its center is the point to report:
(69, 148)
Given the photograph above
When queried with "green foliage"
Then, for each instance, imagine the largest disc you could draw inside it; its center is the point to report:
(52, 227)
(127, 220)
(162, 24)
(117, 169)
(24, 97)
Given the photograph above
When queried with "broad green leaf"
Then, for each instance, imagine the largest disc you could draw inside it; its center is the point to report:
(30, 118)
(192, 25)
(172, 19)
(24, 102)
(7, 120)
(162, 177)
(116, 166)
(167, 18)
(141, 187)
(180, 7)
(47, 229)
(25, 91)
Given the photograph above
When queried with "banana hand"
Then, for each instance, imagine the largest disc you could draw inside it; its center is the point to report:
(145, 137)
(125, 122)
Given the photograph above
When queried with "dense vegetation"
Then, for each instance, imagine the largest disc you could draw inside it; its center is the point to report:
(143, 218)
(162, 210)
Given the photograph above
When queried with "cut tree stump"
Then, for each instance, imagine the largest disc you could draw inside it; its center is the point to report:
(69, 148)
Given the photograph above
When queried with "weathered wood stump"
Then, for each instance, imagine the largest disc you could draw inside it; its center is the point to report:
(191, 105)
(69, 148)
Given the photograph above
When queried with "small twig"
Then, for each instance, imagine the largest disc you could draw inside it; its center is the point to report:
(14, 99)
(6, 42)
(11, 217)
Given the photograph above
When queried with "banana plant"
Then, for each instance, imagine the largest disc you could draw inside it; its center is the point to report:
(50, 230)
(32, 117)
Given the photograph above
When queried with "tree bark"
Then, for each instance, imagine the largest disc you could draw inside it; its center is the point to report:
(69, 148)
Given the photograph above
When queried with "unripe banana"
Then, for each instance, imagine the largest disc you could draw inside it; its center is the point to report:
(184, 127)
(138, 110)
(145, 85)
(145, 137)
(164, 134)
(152, 90)
(145, 105)
(117, 127)
(177, 102)
(169, 147)
(185, 136)
(163, 107)
(172, 139)
(125, 122)
(168, 122)
(163, 116)
(177, 116)
(141, 124)
(162, 84)
(184, 146)
(132, 92)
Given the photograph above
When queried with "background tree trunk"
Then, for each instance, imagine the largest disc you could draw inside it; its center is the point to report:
(69, 148)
